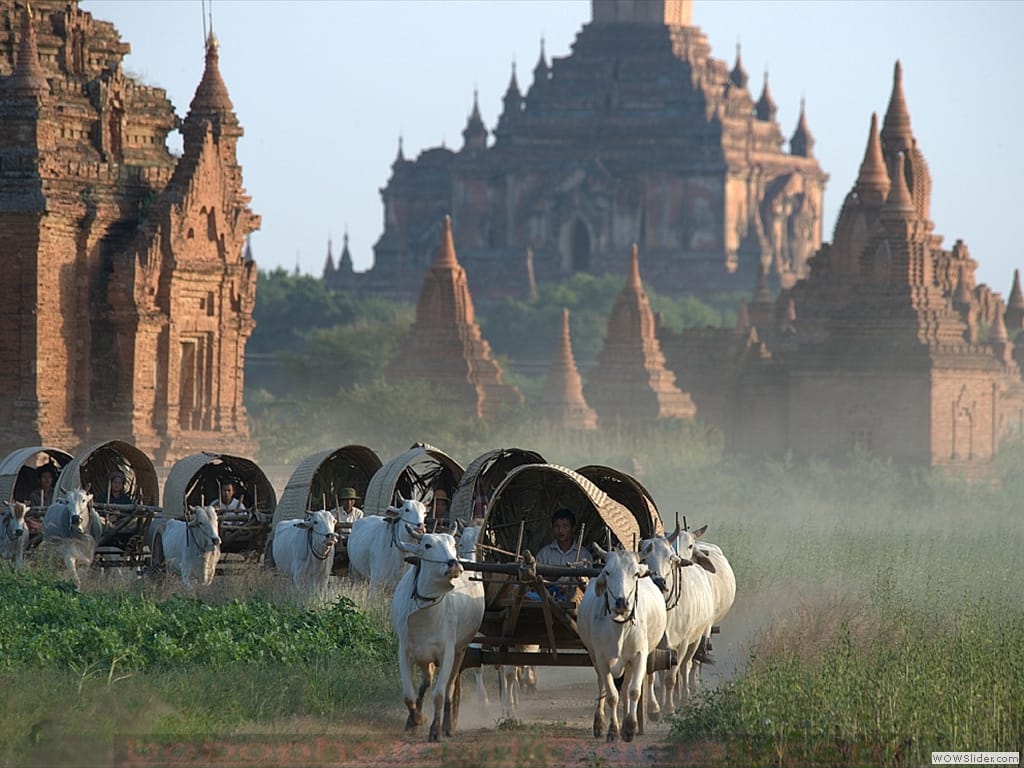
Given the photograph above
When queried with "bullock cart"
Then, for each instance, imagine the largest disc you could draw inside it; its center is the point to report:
(482, 477)
(628, 491)
(197, 480)
(520, 609)
(315, 484)
(414, 474)
(20, 477)
(126, 523)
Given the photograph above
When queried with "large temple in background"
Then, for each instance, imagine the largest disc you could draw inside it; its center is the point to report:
(637, 136)
(129, 291)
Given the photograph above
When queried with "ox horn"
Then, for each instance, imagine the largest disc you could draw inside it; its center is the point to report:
(601, 553)
(675, 533)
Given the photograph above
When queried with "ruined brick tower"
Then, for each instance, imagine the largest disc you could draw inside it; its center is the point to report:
(130, 290)
(637, 136)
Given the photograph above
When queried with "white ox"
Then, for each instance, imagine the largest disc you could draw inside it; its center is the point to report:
(373, 544)
(191, 547)
(13, 533)
(689, 601)
(723, 585)
(73, 528)
(304, 549)
(435, 615)
(621, 621)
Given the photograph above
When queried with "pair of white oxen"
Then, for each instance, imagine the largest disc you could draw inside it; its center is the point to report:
(623, 617)
(72, 527)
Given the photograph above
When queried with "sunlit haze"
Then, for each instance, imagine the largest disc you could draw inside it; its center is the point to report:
(324, 90)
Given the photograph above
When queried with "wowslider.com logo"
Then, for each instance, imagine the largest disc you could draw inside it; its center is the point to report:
(975, 758)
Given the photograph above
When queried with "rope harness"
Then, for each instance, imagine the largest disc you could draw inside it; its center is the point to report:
(631, 618)
(9, 530)
(312, 545)
(189, 529)
(675, 590)
(416, 596)
(394, 521)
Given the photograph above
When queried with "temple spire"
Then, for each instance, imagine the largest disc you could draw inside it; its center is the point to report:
(562, 401)
(474, 135)
(329, 263)
(897, 135)
(28, 76)
(446, 251)
(802, 142)
(873, 179)
(765, 109)
(738, 76)
(1015, 305)
(899, 199)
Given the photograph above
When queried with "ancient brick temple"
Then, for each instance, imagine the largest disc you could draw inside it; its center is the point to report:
(444, 346)
(637, 136)
(881, 348)
(630, 383)
(129, 289)
(562, 402)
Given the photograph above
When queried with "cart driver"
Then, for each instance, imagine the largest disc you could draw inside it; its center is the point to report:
(227, 501)
(563, 551)
(348, 512)
(441, 504)
(114, 493)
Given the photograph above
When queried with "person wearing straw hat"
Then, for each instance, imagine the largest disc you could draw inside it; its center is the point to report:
(348, 512)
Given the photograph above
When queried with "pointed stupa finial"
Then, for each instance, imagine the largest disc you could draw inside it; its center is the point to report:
(896, 132)
(997, 333)
(765, 109)
(329, 262)
(540, 72)
(28, 76)
(564, 341)
(513, 82)
(873, 178)
(899, 199)
(634, 269)
(211, 94)
(738, 76)
(1016, 299)
(801, 143)
(400, 157)
(446, 252)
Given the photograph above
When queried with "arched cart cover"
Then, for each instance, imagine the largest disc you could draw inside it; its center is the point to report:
(483, 475)
(16, 484)
(529, 494)
(321, 476)
(92, 469)
(196, 479)
(413, 474)
(628, 491)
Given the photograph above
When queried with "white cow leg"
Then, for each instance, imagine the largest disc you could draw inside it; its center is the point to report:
(602, 695)
(668, 686)
(634, 684)
(653, 707)
(412, 703)
(613, 705)
(442, 679)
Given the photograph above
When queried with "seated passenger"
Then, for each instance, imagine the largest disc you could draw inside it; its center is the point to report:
(43, 495)
(564, 550)
(440, 504)
(347, 511)
(114, 493)
(227, 501)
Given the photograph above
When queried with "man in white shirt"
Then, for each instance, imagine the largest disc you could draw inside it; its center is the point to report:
(562, 550)
(227, 501)
(348, 512)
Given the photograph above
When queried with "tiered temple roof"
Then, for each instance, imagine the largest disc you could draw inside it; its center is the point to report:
(631, 383)
(562, 402)
(445, 346)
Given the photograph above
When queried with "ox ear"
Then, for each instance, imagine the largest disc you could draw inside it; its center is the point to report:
(304, 524)
(703, 561)
(391, 512)
(600, 584)
(675, 534)
(700, 531)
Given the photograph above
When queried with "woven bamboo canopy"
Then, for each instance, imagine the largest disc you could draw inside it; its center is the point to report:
(412, 474)
(197, 479)
(19, 471)
(529, 494)
(92, 470)
(320, 477)
(629, 492)
(484, 474)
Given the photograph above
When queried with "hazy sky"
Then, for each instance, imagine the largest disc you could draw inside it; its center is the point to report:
(324, 89)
